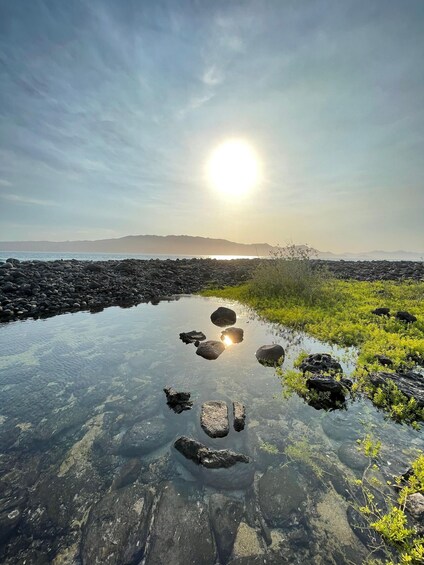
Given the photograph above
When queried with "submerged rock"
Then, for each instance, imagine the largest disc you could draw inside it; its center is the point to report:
(181, 532)
(214, 418)
(145, 436)
(128, 473)
(404, 316)
(178, 401)
(281, 497)
(270, 355)
(210, 349)
(350, 455)
(330, 393)
(234, 334)
(117, 527)
(210, 458)
(192, 337)
(320, 363)
(239, 412)
(223, 317)
(225, 514)
(410, 383)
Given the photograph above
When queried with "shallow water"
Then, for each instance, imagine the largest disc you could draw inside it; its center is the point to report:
(73, 385)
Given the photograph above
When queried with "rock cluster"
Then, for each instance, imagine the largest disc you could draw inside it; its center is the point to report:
(209, 458)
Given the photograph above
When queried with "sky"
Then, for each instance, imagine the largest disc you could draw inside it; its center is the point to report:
(110, 110)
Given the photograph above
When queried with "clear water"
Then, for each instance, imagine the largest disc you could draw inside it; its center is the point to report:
(72, 385)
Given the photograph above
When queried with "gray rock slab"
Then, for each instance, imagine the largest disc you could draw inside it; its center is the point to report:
(214, 418)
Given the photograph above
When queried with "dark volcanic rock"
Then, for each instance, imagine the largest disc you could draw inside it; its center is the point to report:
(181, 533)
(210, 458)
(320, 363)
(239, 412)
(145, 436)
(192, 337)
(405, 317)
(214, 418)
(117, 527)
(384, 360)
(210, 349)
(235, 334)
(410, 383)
(178, 401)
(331, 394)
(270, 355)
(381, 311)
(226, 514)
(223, 317)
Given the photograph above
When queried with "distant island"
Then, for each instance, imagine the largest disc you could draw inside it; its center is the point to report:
(185, 245)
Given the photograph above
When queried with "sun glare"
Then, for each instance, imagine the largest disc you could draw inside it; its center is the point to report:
(227, 341)
(233, 168)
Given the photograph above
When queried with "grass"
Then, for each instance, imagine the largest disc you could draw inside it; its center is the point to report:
(341, 315)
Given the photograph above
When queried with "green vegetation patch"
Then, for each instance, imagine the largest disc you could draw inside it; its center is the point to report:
(341, 314)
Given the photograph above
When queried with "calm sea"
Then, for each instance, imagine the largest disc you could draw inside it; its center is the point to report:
(49, 256)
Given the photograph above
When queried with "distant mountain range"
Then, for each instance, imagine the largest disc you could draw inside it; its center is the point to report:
(185, 245)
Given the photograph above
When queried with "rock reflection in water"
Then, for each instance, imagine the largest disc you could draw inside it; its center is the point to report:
(89, 474)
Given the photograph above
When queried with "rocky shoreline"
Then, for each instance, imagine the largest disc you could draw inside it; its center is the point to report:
(39, 289)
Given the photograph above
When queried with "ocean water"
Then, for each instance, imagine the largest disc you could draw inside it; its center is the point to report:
(49, 256)
(74, 386)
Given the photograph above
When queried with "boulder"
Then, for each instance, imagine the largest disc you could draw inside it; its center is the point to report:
(181, 532)
(320, 363)
(330, 393)
(410, 383)
(239, 412)
(192, 337)
(270, 355)
(225, 514)
(210, 349)
(234, 334)
(415, 506)
(117, 527)
(145, 436)
(214, 418)
(281, 496)
(177, 401)
(210, 458)
(381, 311)
(404, 316)
(223, 317)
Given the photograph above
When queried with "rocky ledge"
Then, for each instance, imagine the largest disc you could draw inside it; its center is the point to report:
(34, 289)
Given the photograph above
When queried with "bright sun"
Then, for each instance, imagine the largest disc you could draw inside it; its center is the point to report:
(233, 168)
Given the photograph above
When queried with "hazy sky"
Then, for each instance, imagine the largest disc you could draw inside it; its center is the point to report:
(110, 109)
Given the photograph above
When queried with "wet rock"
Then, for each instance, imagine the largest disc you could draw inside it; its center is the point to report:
(404, 316)
(350, 455)
(330, 393)
(128, 474)
(225, 514)
(214, 418)
(247, 543)
(223, 317)
(281, 496)
(210, 349)
(239, 412)
(210, 458)
(410, 383)
(192, 337)
(384, 360)
(10, 517)
(360, 526)
(234, 334)
(270, 355)
(181, 532)
(415, 506)
(178, 401)
(381, 311)
(145, 436)
(117, 527)
(320, 363)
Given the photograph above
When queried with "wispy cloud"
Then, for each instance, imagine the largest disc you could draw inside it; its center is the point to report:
(26, 200)
(212, 76)
(4, 182)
